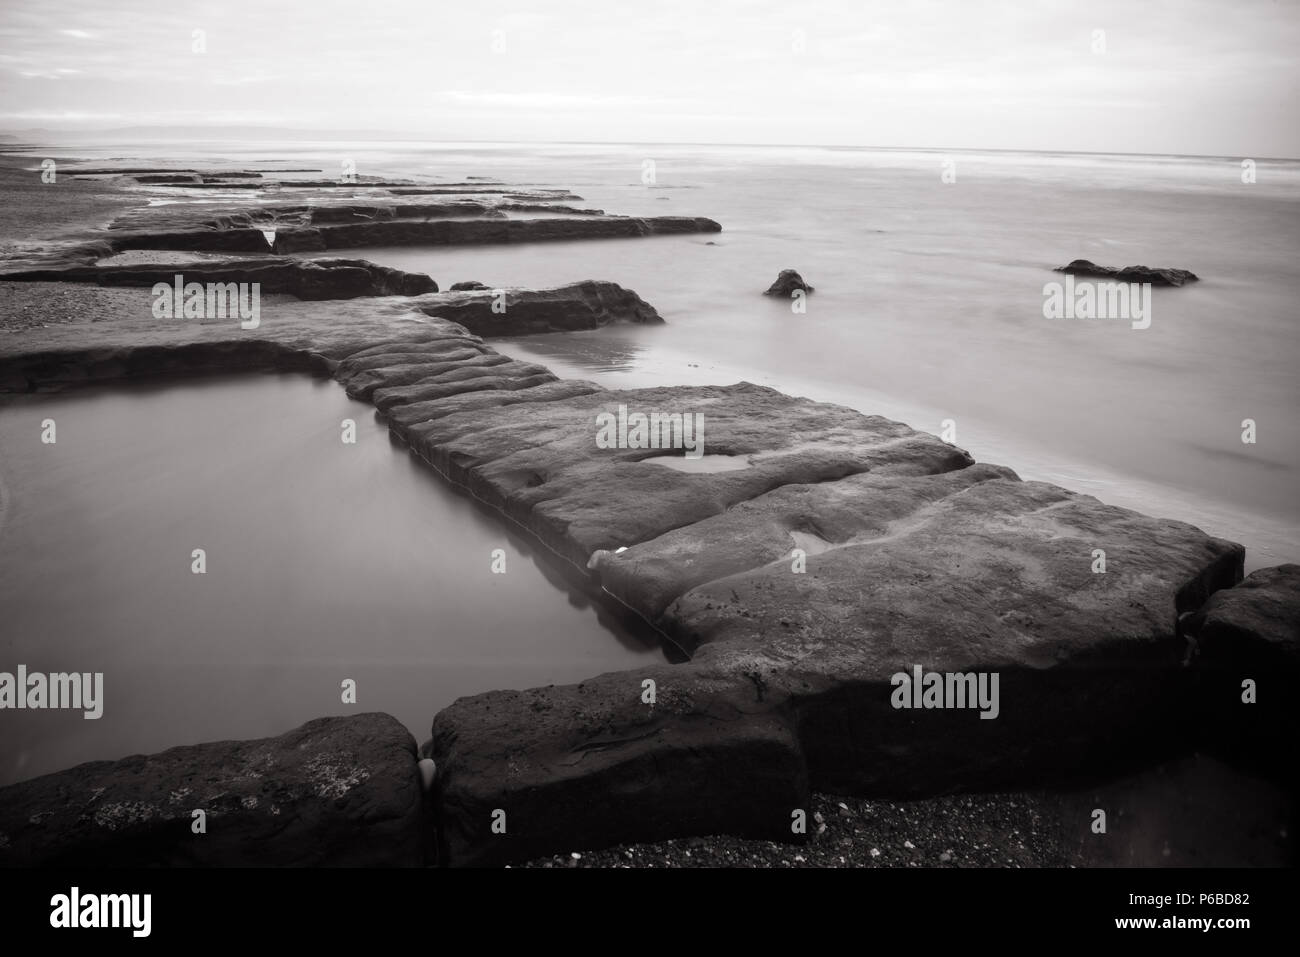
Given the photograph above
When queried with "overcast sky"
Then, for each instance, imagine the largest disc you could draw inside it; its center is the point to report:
(1183, 76)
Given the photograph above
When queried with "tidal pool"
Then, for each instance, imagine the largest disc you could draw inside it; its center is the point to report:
(325, 561)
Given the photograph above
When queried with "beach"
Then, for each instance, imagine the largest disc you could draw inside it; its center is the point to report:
(928, 310)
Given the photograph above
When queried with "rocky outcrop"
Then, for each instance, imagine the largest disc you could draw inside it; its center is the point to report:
(305, 278)
(787, 281)
(1244, 643)
(399, 345)
(590, 304)
(543, 466)
(407, 232)
(468, 285)
(334, 792)
(1164, 276)
(908, 564)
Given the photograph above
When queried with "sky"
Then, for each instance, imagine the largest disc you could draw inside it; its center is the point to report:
(1214, 77)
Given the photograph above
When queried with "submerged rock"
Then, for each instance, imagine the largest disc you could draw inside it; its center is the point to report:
(1164, 276)
(334, 792)
(787, 282)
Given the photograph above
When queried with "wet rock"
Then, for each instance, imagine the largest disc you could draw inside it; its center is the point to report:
(1165, 276)
(312, 279)
(911, 560)
(410, 416)
(334, 792)
(590, 304)
(543, 466)
(1245, 645)
(468, 285)
(787, 282)
(407, 232)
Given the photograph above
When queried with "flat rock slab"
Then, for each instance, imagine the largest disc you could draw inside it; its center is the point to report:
(334, 792)
(410, 232)
(311, 279)
(543, 467)
(378, 343)
(912, 562)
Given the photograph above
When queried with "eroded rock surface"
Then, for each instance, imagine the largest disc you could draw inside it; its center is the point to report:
(334, 792)
(912, 561)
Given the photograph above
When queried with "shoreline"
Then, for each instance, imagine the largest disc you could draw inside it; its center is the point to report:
(381, 355)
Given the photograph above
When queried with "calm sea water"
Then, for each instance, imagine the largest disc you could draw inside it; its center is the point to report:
(325, 561)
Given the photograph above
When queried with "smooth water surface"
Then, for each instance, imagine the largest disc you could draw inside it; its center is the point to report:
(325, 561)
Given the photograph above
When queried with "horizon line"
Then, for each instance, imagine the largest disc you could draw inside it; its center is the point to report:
(392, 137)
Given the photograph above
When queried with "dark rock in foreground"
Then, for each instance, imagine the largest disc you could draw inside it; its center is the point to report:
(787, 282)
(334, 792)
(1251, 634)
(1164, 276)
(912, 557)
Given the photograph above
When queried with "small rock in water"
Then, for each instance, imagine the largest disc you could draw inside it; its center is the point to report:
(787, 282)
(467, 285)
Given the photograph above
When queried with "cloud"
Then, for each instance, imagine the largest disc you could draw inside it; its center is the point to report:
(1212, 75)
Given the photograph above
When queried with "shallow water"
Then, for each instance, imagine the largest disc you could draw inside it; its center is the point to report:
(325, 562)
(702, 463)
